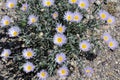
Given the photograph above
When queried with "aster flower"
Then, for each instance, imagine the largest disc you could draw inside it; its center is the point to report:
(28, 53)
(73, 1)
(42, 75)
(5, 21)
(60, 28)
(77, 17)
(55, 15)
(112, 44)
(85, 45)
(48, 3)
(88, 71)
(11, 4)
(68, 16)
(5, 53)
(110, 19)
(83, 4)
(59, 39)
(103, 14)
(60, 58)
(106, 37)
(32, 19)
(14, 31)
(63, 72)
(28, 67)
(24, 7)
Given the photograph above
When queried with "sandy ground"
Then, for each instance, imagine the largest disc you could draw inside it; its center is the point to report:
(107, 63)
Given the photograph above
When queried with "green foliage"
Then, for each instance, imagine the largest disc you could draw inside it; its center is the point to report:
(40, 36)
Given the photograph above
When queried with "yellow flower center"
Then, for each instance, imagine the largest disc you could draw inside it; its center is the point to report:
(109, 20)
(29, 54)
(63, 72)
(29, 68)
(84, 46)
(73, 1)
(6, 22)
(60, 29)
(60, 58)
(55, 15)
(82, 5)
(33, 20)
(87, 71)
(24, 8)
(43, 74)
(6, 55)
(111, 44)
(105, 38)
(69, 17)
(48, 3)
(103, 16)
(59, 39)
(15, 33)
(76, 18)
(11, 5)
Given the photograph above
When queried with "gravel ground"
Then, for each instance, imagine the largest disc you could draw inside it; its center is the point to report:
(107, 63)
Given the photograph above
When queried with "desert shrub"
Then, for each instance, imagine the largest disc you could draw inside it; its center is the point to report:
(39, 36)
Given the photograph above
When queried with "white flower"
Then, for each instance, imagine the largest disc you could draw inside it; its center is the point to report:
(28, 53)
(106, 37)
(111, 19)
(42, 75)
(60, 58)
(11, 4)
(59, 39)
(60, 28)
(55, 15)
(5, 21)
(24, 7)
(68, 16)
(48, 3)
(5, 53)
(85, 45)
(83, 4)
(77, 17)
(63, 72)
(88, 71)
(28, 67)
(73, 1)
(103, 14)
(32, 19)
(14, 31)
(113, 44)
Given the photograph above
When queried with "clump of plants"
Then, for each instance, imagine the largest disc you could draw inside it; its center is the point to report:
(49, 33)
